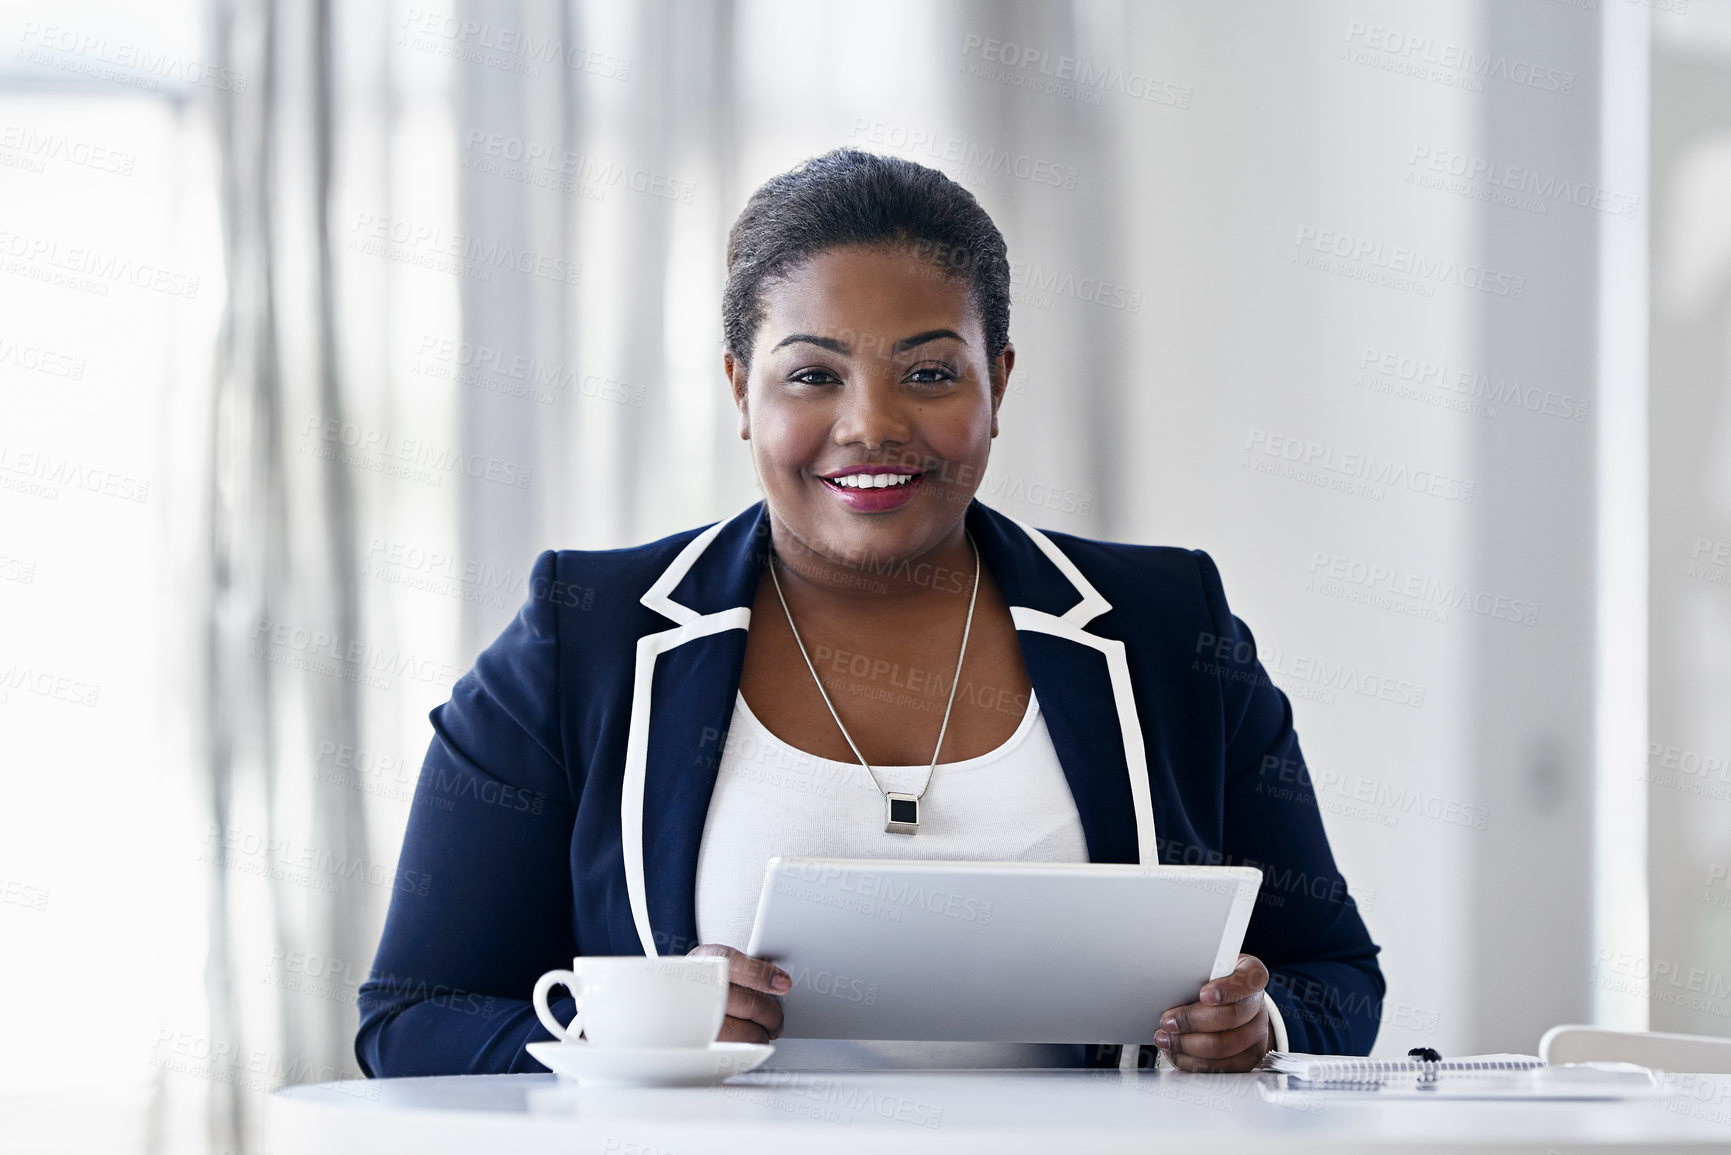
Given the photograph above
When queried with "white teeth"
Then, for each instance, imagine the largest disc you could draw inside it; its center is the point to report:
(873, 480)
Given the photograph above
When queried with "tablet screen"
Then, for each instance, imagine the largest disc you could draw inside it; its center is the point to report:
(996, 951)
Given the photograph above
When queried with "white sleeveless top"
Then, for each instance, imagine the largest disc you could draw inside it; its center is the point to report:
(770, 798)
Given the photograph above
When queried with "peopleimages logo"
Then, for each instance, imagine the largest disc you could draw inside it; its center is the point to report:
(1421, 373)
(386, 452)
(1069, 76)
(815, 1098)
(88, 269)
(16, 893)
(517, 374)
(35, 148)
(579, 172)
(255, 1069)
(100, 57)
(326, 652)
(459, 253)
(1365, 258)
(1662, 980)
(1316, 787)
(838, 986)
(1364, 469)
(38, 359)
(483, 42)
(1331, 571)
(1088, 290)
(935, 146)
(408, 564)
(1490, 177)
(280, 857)
(1689, 771)
(41, 474)
(47, 684)
(1238, 660)
(1428, 58)
(898, 892)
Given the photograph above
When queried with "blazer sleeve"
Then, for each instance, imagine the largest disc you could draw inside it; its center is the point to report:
(1324, 982)
(482, 904)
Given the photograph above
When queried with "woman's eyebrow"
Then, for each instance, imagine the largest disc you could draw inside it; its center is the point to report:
(918, 339)
(846, 350)
(829, 343)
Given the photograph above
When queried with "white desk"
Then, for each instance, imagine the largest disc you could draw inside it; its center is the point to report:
(908, 1112)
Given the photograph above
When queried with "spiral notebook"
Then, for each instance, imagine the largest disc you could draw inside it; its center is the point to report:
(1296, 1078)
(1351, 1068)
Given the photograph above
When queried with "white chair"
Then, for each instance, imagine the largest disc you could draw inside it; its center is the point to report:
(1698, 1054)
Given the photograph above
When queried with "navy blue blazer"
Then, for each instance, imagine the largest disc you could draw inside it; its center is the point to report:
(563, 797)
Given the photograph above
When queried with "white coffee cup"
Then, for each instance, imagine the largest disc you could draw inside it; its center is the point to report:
(638, 1001)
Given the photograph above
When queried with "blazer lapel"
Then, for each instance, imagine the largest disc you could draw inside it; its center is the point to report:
(687, 678)
(681, 706)
(1082, 681)
(693, 691)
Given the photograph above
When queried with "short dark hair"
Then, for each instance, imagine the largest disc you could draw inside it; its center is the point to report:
(851, 197)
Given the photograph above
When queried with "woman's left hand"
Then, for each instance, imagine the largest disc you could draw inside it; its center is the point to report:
(1226, 1029)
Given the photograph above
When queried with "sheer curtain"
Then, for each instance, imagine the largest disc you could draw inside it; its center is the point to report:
(289, 879)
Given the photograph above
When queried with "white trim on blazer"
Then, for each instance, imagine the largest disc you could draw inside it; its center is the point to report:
(695, 625)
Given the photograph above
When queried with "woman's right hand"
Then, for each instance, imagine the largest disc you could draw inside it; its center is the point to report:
(753, 1011)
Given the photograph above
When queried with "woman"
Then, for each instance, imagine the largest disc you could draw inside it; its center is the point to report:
(658, 721)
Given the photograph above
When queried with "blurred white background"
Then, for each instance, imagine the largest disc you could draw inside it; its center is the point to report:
(318, 322)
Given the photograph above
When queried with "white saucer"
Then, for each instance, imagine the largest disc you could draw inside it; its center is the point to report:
(593, 1066)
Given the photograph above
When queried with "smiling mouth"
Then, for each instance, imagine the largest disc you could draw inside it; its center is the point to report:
(868, 481)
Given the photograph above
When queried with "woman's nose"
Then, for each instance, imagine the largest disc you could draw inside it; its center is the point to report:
(874, 412)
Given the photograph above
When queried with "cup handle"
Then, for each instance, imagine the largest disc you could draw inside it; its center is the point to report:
(545, 983)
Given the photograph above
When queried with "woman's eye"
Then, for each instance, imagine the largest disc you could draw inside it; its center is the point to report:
(931, 375)
(813, 377)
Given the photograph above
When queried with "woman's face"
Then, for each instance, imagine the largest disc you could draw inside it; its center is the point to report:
(869, 357)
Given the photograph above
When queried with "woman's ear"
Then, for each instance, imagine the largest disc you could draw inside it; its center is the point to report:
(1001, 366)
(737, 379)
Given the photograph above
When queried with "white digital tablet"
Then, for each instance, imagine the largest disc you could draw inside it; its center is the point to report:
(996, 951)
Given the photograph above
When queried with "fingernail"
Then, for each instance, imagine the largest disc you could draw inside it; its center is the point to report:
(781, 982)
(1210, 994)
(1162, 1040)
(1169, 1024)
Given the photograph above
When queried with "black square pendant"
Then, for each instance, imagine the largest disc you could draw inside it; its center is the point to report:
(904, 814)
